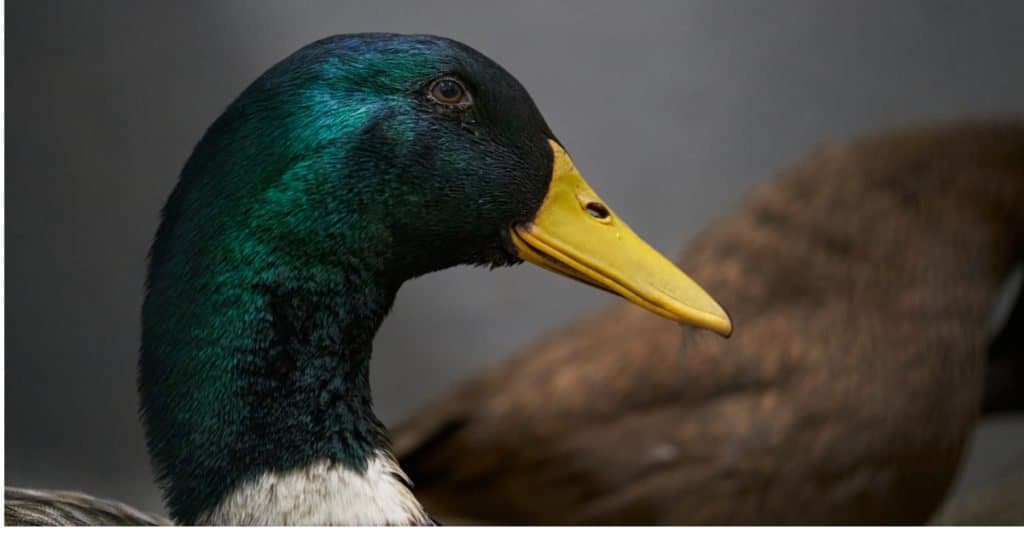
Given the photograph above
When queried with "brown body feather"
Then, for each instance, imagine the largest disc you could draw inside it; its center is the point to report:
(859, 282)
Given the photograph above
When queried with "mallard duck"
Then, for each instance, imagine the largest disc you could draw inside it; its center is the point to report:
(863, 279)
(353, 165)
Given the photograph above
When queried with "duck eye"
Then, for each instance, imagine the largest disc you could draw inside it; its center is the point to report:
(449, 91)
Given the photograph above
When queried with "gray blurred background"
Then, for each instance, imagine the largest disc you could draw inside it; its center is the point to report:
(705, 99)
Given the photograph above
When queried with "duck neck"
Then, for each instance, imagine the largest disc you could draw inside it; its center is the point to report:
(256, 399)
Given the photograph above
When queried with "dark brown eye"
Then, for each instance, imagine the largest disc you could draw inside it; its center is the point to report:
(449, 91)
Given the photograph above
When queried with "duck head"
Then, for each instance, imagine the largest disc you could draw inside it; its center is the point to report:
(349, 167)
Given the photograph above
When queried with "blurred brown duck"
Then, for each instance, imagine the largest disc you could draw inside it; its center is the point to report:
(860, 283)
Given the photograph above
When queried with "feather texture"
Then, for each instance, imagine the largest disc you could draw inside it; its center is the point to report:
(29, 507)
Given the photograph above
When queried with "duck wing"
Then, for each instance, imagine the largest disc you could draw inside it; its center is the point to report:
(28, 507)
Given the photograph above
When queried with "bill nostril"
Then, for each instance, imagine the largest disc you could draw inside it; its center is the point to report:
(598, 210)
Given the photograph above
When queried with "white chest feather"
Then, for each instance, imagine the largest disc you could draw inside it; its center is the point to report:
(323, 494)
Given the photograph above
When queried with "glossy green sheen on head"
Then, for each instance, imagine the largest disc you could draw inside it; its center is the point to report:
(328, 182)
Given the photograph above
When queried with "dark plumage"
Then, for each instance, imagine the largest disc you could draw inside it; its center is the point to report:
(332, 179)
(860, 281)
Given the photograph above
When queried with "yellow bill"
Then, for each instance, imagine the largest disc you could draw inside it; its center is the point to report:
(575, 234)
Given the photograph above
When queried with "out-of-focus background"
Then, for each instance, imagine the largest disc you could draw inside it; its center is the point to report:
(672, 110)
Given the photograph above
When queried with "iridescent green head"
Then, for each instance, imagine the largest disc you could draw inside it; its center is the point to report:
(349, 152)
